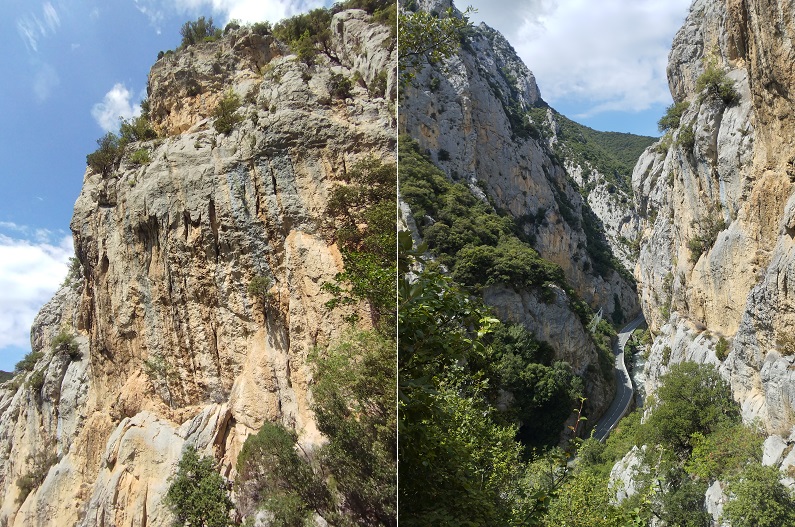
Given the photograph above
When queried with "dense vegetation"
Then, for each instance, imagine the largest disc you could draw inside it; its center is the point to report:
(692, 437)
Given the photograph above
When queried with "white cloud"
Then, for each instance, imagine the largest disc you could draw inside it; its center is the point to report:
(115, 104)
(30, 272)
(33, 27)
(243, 10)
(610, 55)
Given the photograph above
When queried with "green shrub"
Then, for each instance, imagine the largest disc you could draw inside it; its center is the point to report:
(105, 158)
(378, 85)
(715, 84)
(307, 34)
(197, 31)
(40, 464)
(36, 380)
(136, 128)
(710, 226)
(259, 287)
(140, 157)
(73, 274)
(197, 495)
(686, 138)
(28, 362)
(339, 86)
(225, 114)
(722, 349)
(262, 28)
(666, 355)
(64, 342)
(673, 114)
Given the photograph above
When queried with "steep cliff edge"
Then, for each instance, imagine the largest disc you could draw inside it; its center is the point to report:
(716, 258)
(172, 346)
(481, 119)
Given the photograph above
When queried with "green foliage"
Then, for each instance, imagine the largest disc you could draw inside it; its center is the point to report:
(354, 407)
(716, 85)
(307, 34)
(363, 210)
(469, 238)
(64, 342)
(758, 499)
(140, 157)
(200, 30)
(686, 138)
(672, 117)
(429, 37)
(340, 86)
(262, 28)
(40, 462)
(692, 398)
(377, 87)
(722, 349)
(709, 226)
(73, 274)
(724, 452)
(105, 159)
(613, 154)
(28, 362)
(197, 494)
(354, 402)
(136, 128)
(225, 114)
(259, 287)
(586, 500)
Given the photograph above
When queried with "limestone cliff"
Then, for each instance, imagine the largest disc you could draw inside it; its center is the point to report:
(173, 348)
(717, 252)
(472, 114)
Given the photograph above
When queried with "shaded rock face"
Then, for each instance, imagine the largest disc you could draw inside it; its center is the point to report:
(739, 170)
(174, 350)
(466, 114)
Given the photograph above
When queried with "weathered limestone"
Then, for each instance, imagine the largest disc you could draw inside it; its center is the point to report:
(175, 350)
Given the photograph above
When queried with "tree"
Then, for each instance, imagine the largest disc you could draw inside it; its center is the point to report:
(354, 405)
(225, 114)
(428, 36)
(758, 499)
(105, 158)
(692, 398)
(197, 495)
(197, 31)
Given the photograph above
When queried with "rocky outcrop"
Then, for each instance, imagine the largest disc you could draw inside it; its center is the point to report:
(717, 253)
(470, 114)
(174, 349)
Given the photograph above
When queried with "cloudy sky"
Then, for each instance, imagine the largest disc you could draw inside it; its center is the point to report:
(599, 63)
(71, 68)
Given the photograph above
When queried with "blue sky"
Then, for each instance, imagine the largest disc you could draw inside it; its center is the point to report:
(599, 63)
(70, 69)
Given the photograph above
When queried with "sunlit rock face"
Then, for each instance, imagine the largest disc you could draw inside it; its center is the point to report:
(173, 349)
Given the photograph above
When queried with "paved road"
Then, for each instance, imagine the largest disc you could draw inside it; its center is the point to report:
(624, 390)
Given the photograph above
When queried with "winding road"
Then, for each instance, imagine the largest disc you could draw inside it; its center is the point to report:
(624, 390)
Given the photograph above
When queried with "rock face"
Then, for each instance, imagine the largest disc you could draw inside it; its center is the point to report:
(469, 115)
(174, 350)
(730, 183)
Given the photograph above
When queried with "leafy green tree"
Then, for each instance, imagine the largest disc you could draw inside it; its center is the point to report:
(197, 495)
(105, 159)
(692, 398)
(758, 499)
(197, 31)
(724, 452)
(363, 211)
(715, 84)
(354, 405)
(672, 117)
(307, 34)
(425, 36)
(225, 114)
